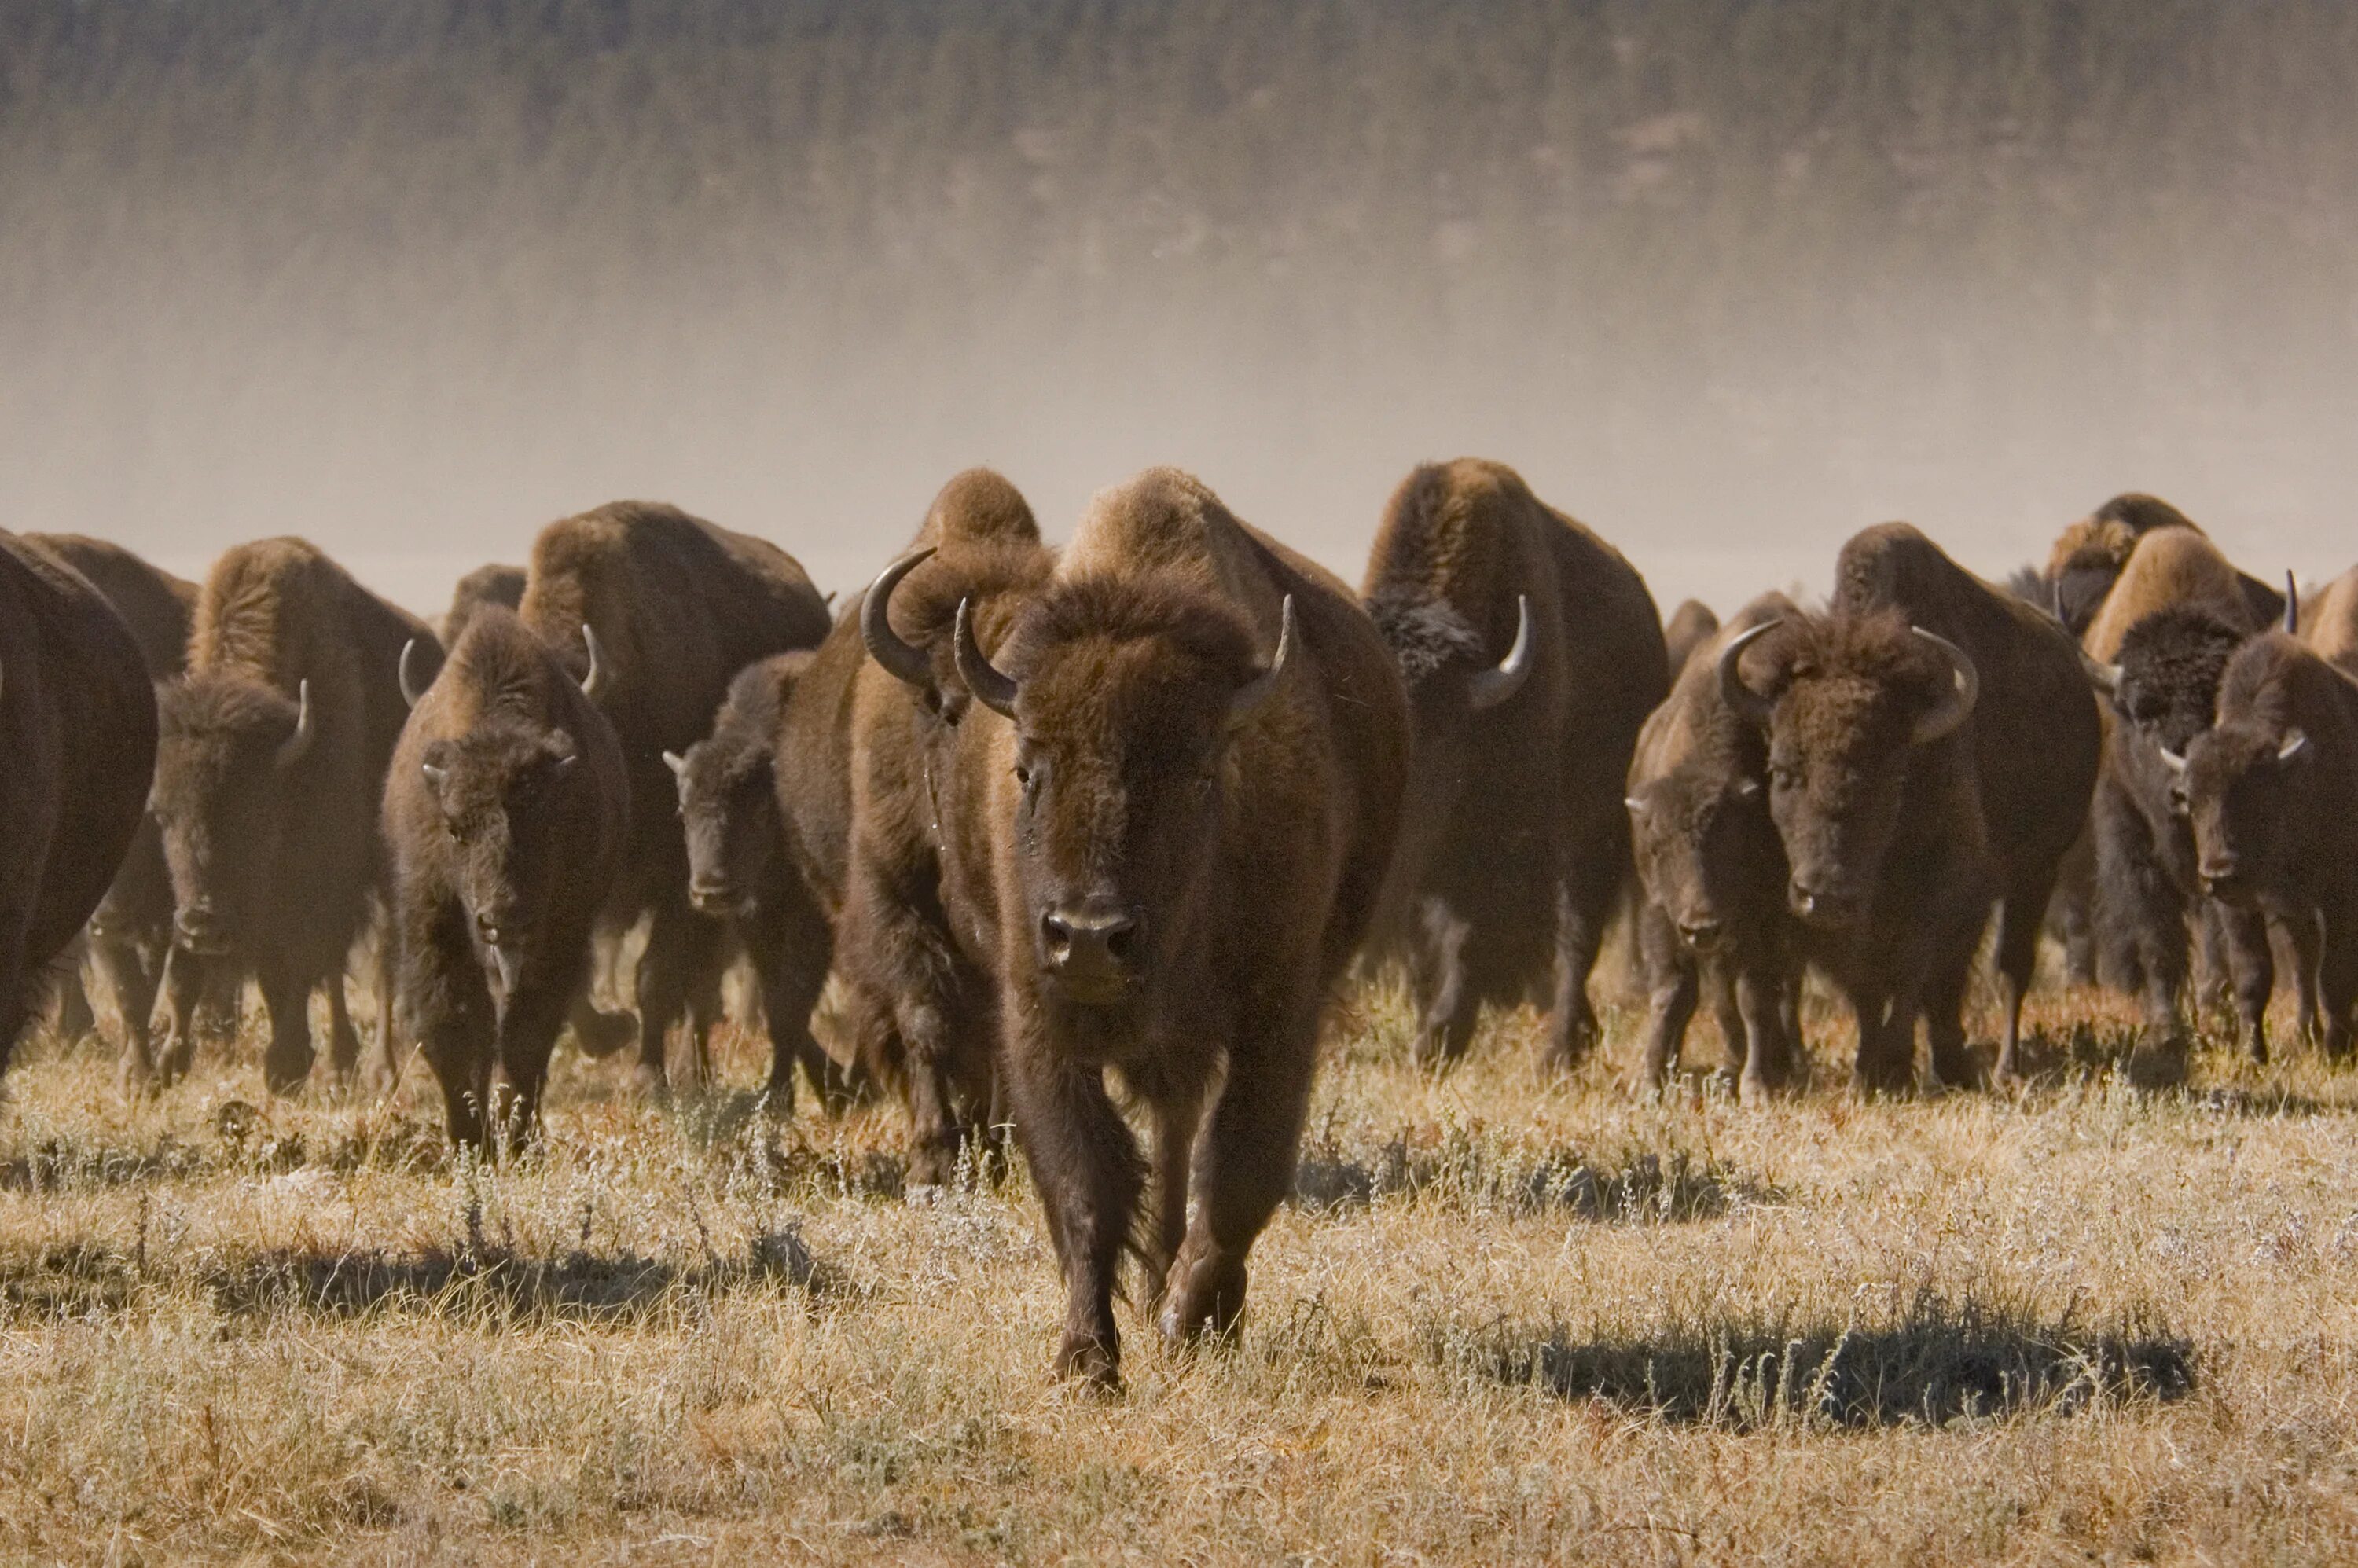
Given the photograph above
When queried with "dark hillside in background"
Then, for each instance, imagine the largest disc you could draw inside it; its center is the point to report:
(1727, 278)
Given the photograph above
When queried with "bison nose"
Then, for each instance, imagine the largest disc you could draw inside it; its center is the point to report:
(711, 895)
(1091, 945)
(487, 927)
(1701, 935)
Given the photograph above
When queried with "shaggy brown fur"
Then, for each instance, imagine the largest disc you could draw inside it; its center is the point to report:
(2036, 738)
(679, 606)
(1691, 625)
(2329, 622)
(78, 727)
(2268, 788)
(505, 811)
(130, 936)
(2090, 554)
(1514, 842)
(1888, 864)
(1246, 852)
(1713, 874)
(274, 856)
(494, 584)
(907, 941)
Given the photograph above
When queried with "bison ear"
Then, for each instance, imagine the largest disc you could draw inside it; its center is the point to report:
(2295, 743)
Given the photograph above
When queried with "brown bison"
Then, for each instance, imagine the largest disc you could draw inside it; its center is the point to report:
(2157, 650)
(745, 859)
(2090, 556)
(1713, 873)
(493, 584)
(1188, 812)
(1691, 625)
(505, 812)
(2329, 622)
(130, 935)
(907, 939)
(77, 721)
(1533, 653)
(2267, 788)
(670, 607)
(269, 771)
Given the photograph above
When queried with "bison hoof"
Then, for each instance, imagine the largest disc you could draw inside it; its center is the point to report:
(1957, 1065)
(2156, 1065)
(1089, 1359)
(1755, 1091)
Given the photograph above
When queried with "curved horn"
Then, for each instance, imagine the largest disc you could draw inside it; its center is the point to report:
(1960, 706)
(2104, 678)
(1492, 687)
(1256, 691)
(992, 687)
(2295, 741)
(884, 645)
(2172, 760)
(1745, 702)
(435, 775)
(291, 749)
(2292, 606)
(410, 690)
(593, 685)
(676, 763)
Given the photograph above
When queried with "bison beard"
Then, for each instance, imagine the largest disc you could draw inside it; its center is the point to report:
(504, 809)
(78, 725)
(1186, 847)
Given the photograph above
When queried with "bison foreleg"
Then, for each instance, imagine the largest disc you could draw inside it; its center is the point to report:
(792, 945)
(2252, 967)
(1446, 1002)
(1086, 1165)
(1671, 986)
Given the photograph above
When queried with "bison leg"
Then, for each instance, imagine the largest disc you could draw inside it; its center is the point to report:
(2252, 967)
(183, 985)
(1086, 1165)
(287, 1060)
(128, 973)
(343, 1039)
(792, 945)
(1672, 988)
(2301, 939)
(1178, 1117)
(527, 1030)
(1446, 1000)
(937, 1134)
(76, 1021)
(2020, 919)
(678, 940)
(1584, 905)
(1768, 1051)
(2337, 985)
(1243, 1172)
(444, 1004)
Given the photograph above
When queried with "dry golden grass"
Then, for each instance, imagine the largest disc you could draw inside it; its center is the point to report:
(1511, 1319)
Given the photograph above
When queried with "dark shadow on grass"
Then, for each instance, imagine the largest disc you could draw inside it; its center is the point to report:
(1938, 1362)
(1637, 1188)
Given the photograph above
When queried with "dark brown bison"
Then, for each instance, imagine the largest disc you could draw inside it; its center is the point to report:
(745, 863)
(130, 936)
(673, 608)
(269, 771)
(1691, 625)
(78, 723)
(1189, 810)
(2090, 556)
(2267, 788)
(505, 812)
(493, 584)
(1713, 874)
(2157, 650)
(906, 939)
(1533, 653)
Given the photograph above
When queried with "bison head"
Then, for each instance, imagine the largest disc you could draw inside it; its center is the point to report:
(1125, 698)
(507, 797)
(1847, 704)
(228, 777)
(729, 808)
(2237, 782)
(1707, 850)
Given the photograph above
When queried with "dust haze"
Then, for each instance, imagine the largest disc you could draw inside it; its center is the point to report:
(1726, 280)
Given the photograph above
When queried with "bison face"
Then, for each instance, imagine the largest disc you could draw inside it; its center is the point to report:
(227, 782)
(505, 795)
(1707, 851)
(2239, 783)
(1121, 770)
(728, 809)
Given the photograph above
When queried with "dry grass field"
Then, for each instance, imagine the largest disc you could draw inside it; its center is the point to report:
(1506, 1319)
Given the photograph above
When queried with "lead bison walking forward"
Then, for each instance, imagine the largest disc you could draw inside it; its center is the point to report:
(505, 810)
(1533, 653)
(130, 934)
(1713, 874)
(1189, 816)
(78, 727)
(2268, 788)
(268, 776)
(2035, 741)
(675, 608)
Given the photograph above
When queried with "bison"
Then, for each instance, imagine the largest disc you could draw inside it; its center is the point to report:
(505, 811)
(671, 607)
(1691, 625)
(2329, 622)
(269, 771)
(1531, 654)
(2090, 556)
(78, 721)
(2157, 650)
(1713, 874)
(486, 585)
(2268, 789)
(1188, 799)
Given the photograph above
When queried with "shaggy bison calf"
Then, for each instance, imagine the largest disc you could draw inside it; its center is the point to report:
(1186, 838)
(505, 811)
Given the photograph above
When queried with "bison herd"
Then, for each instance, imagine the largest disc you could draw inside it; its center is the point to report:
(1143, 803)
